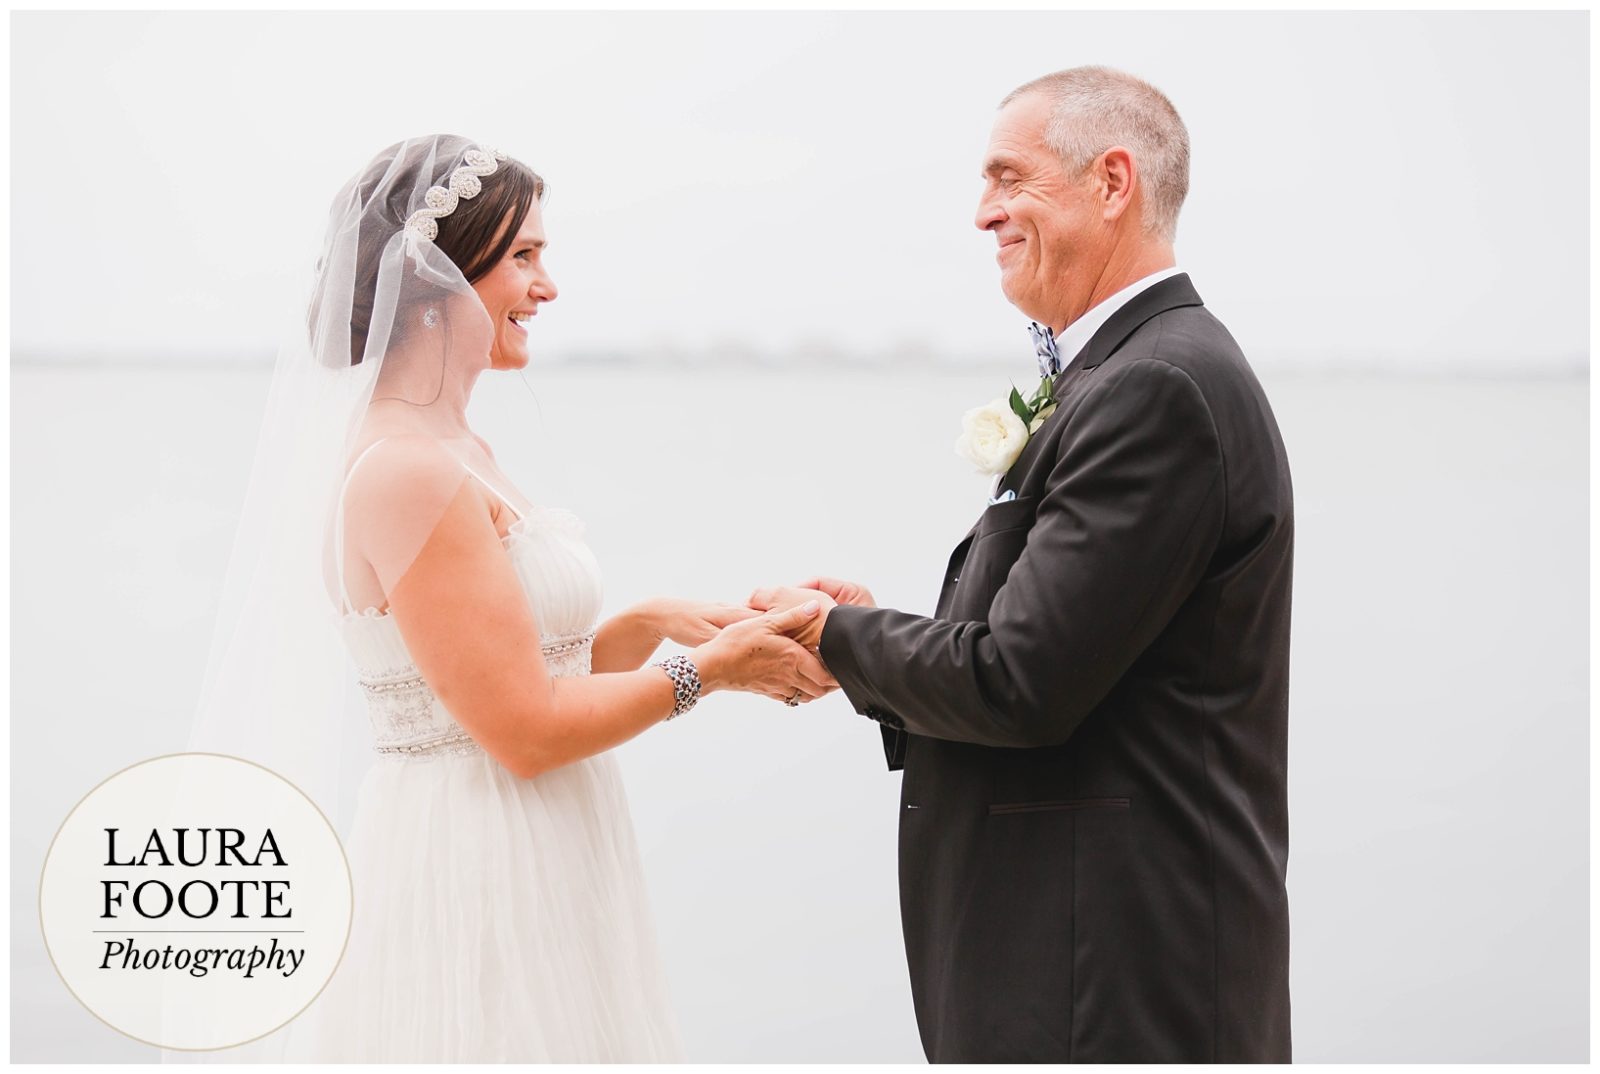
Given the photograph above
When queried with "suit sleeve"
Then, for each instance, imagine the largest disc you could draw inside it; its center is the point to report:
(1130, 516)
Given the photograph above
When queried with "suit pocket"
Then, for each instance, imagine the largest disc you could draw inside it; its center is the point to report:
(1066, 805)
(1010, 515)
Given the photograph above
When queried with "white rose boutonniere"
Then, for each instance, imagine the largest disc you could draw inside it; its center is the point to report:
(993, 435)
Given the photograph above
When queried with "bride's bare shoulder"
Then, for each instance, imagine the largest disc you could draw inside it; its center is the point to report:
(403, 467)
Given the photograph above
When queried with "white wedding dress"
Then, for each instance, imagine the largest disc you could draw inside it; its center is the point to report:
(496, 918)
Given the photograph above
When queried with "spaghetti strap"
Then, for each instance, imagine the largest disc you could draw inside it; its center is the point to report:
(338, 527)
(484, 482)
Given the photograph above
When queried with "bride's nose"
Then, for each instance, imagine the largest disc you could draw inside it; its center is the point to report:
(543, 289)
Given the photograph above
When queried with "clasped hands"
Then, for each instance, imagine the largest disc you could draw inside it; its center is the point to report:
(769, 646)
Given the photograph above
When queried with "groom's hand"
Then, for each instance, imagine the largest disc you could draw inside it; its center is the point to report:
(841, 591)
(782, 598)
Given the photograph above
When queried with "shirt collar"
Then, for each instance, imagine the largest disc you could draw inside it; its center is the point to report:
(1078, 334)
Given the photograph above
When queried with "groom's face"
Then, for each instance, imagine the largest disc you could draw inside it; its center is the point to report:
(1043, 218)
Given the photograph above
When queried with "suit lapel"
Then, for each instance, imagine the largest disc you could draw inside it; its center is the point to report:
(1172, 293)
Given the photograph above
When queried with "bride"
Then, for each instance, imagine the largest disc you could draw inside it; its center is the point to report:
(501, 914)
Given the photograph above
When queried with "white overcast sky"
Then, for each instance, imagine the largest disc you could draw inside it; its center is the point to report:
(1367, 189)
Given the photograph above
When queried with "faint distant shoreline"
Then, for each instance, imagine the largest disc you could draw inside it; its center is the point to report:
(1575, 368)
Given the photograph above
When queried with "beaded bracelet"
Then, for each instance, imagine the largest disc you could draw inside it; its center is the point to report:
(685, 683)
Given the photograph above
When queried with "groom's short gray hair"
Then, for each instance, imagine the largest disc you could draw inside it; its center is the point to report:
(1095, 108)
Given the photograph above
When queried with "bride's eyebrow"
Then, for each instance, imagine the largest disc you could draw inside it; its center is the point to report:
(537, 244)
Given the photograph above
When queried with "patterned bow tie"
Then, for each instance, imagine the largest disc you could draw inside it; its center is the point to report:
(1044, 348)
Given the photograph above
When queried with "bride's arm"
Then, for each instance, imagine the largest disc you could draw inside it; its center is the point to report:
(472, 634)
(626, 640)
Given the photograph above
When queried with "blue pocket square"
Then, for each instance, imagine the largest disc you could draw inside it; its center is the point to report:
(1005, 497)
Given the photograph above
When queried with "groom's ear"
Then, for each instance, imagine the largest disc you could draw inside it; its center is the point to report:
(1117, 181)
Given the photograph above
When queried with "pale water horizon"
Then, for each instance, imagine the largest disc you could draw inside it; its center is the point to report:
(1439, 698)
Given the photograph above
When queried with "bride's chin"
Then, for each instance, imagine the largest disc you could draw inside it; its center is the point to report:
(507, 358)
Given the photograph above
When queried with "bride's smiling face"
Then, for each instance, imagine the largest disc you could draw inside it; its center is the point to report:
(513, 290)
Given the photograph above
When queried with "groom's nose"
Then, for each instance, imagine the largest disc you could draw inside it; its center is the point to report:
(990, 214)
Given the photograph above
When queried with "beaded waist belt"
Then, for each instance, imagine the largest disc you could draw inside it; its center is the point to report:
(403, 700)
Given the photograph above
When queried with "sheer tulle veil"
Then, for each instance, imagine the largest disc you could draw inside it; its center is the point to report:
(387, 310)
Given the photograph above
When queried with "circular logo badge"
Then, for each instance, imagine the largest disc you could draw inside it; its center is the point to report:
(195, 901)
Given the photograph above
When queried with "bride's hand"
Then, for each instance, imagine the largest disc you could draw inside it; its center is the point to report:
(758, 655)
(691, 622)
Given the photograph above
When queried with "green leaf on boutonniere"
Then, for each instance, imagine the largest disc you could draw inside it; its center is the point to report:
(1041, 395)
(1019, 408)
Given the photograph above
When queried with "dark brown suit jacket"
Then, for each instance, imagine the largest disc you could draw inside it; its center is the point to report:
(1093, 725)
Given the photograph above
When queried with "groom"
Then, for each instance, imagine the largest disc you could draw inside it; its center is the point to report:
(1092, 725)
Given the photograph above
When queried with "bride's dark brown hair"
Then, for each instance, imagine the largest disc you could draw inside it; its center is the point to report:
(474, 237)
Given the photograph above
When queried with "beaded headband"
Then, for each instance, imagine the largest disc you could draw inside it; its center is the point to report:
(465, 182)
